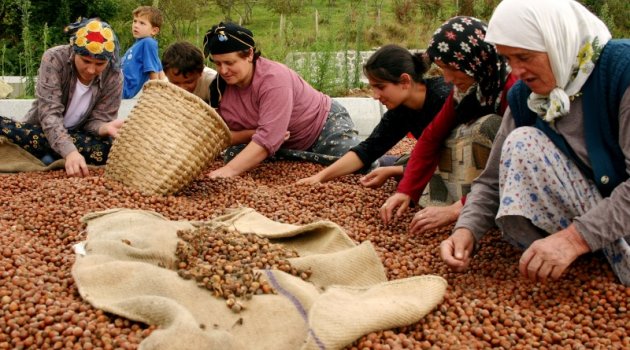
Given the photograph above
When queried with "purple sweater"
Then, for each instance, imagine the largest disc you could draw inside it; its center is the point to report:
(277, 100)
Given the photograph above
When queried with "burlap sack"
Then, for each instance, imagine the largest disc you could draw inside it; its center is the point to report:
(14, 159)
(5, 89)
(347, 295)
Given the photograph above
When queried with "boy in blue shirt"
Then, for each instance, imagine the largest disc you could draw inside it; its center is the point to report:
(142, 62)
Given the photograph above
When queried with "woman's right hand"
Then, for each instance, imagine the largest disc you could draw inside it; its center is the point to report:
(399, 201)
(75, 165)
(456, 250)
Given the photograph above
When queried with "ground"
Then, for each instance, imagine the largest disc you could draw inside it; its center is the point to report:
(489, 305)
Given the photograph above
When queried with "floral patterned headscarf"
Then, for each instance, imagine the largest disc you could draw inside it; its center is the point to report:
(571, 36)
(460, 43)
(95, 38)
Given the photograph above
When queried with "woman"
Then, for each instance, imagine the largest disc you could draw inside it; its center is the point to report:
(396, 77)
(267, 106)
(557, 180)
(78, 93)
(480, 79)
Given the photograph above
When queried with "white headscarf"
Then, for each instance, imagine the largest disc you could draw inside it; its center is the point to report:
(571, 36)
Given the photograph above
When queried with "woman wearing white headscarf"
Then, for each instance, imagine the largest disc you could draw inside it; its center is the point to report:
(556, 182)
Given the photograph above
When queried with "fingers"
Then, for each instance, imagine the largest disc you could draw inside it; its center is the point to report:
(449, 253)
(524, 262)
(366, 179)
(84, 169)
(386, 212)
(418, 223)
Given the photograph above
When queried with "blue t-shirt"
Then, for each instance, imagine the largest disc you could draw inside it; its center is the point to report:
(141, 59)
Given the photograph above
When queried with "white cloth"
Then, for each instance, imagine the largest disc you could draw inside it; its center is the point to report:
(78, 105)
(564, 29)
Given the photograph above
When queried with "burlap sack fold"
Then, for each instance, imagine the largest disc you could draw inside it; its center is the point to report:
(14, 159)
(346, 297)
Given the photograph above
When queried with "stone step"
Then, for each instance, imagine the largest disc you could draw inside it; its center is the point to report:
(364, 111)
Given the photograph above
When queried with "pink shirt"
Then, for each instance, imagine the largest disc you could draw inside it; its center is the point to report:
(277, 100)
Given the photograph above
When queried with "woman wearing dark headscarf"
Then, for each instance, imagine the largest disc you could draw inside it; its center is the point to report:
(480, 79)
(270, 108)
(557, 182)
(78, 94)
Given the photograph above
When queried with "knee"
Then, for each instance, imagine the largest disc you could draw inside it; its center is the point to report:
(525, 140)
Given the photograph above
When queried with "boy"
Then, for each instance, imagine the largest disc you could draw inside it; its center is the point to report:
(184, 66)
(141, 62)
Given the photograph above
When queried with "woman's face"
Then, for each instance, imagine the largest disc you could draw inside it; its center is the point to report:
(532, 67)
(234, 69)
(391, 95)
(456, 77)
(89, 68)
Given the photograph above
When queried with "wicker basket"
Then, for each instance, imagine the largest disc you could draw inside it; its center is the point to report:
(169, 137)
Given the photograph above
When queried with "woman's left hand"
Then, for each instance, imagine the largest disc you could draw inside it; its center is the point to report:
(111, 129)
(434, 217)
(549, 257)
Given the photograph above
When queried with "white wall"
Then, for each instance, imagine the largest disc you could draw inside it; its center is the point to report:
(365, 112)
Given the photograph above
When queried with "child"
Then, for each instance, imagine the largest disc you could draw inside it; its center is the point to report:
(184, 66)
(142, 62)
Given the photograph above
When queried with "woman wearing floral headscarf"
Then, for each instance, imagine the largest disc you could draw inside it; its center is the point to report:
(557, 181)
(78, 93)
(480, 79)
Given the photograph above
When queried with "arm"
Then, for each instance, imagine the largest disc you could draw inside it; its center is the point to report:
(252, 155)
(480, 208)
(155, 75)
(241, 136)
(609, 219)
(389, 131)
(347, 164)
(422, 162)
(50, 105)
(426, 153)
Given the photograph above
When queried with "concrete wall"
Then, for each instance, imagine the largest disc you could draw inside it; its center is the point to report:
(365, 112)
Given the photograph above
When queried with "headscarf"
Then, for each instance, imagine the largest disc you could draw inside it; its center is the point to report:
(460, 43)
(227, 37)
(571, 36)
(95, 38)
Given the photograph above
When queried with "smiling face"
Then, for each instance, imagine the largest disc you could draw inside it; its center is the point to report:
(456, 77)
(532, 67)
(142, 27)
(390, 94)
(235, 69)
(89, 68)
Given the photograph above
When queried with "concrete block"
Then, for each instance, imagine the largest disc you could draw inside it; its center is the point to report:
(365, 112)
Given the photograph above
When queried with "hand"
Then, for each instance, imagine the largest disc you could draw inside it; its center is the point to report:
(287, 135)
(397, 200)
(433, 217)
(75, 165)
(224, 171)
(111, 128)
(550, 256)
(311, 180)
(456, 250)
(377, 177)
